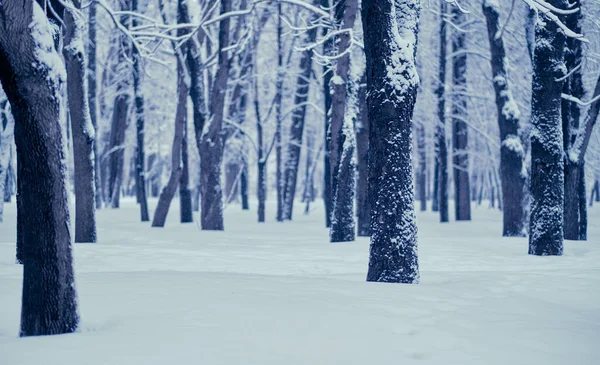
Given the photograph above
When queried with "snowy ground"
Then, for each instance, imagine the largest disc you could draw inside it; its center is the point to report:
(281, 294)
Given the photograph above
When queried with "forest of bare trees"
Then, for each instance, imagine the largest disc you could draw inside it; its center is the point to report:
(362, 106)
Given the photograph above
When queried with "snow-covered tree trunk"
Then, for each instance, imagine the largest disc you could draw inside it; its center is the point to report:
(120, 116)
(547, 168)
(460, 137)
(186, 214)
(342, 216)
(81, 125)
(575, 212)
(421, 178)
(363, 203)
(211, 148)
(441, 149)
(140, 156)
(33, 76)
(511, 150)
(92, 96)
(279, 117)
(328, 47)
(390, 45)
(292, 162)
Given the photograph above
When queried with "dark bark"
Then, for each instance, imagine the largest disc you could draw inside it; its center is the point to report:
(81, 126)
(511, 150)
(422, 168)
(211, 148)
(185, 194)
(363, 204)
(441, 155)
(292, 162)
(244, 186)
(140, 159)
(547, 167)
(460, 137)
(279, 117)
(33, 86)
(120, 116)
(391, 100)
(168, 192)
(20, 259)
(328, 47)
(93, 98)
(595, 195)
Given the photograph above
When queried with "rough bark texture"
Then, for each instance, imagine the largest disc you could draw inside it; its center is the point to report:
(547, 168)
(511, 150)
(363, 203)
(441, 156)
(140, 156)
(92, 97)
(328, 47)
(211, 148)
(120, 116)
(33, 76)
(82, 128)
(460, 137)
(292, 161)
(392, 90)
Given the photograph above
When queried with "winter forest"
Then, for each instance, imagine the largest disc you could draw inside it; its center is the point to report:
(257, 181)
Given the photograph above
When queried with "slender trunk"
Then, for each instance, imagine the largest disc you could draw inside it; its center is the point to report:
(390, 47)
(441, 156)
(29, 62)
(363, 204)
(211, 148)
(328, 47)
(168, 192)
(547, 168)
(422, 169)
(244, 186)
(185, 194)
(512, 154)
(297, 128)
(93, 98)
(6, 140)
(595, 196)
(279, 116)
(232, 187)
(460, 138)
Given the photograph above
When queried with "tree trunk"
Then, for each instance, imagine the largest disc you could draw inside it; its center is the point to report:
(32, 77)
(595, 196)
(81, 126)
(278, 117)
(211, 149)
(297, 128)
(140, 159)
(244, 186)
(328, 47)
(120, 116)
(93, 98)
(460, 137)
(345, 15)
(6, 140)
(185, 194)
(168, 192)
(547, 168)
(390, 46)
(512, 154)
(422, 169)
(441, 156)
(363, 205)
(232, 187)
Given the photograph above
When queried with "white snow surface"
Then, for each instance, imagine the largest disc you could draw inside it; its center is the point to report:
(281, 294)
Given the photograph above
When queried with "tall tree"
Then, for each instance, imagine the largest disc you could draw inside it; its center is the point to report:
(390, 39)
(140, 156)
(211, 150)
(292, 162)
(92, 95)
(363, 202)
(279, 116)
(441, 150)
(82, 128)
(547, 168)
(460, 137)
(328, 47)
(33, 76)
(512, 154)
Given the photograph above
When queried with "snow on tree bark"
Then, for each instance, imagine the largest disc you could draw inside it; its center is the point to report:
(390, 46)
(211, 148)
(92, 96)
(33, 76)
(297, 127)
(460, 136)
(328, 47)
(512, 154)
(363, 203)
(547, 168)
(81, 125)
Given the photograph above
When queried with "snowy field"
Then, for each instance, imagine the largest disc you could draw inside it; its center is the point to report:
(281, 294)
